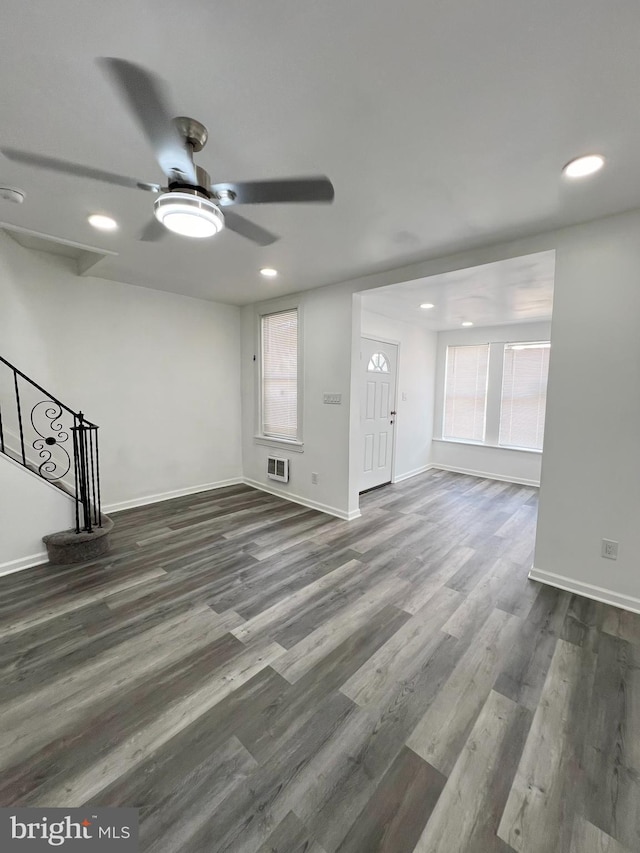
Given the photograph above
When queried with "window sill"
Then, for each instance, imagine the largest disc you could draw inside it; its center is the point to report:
(269, 441)
(485, 444)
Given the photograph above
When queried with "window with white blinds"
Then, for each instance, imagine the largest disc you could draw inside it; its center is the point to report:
(280, 374)
(465, 392)
(524, 394)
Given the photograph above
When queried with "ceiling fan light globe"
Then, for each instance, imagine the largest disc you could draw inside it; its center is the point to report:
(189, 225)
(188, 214)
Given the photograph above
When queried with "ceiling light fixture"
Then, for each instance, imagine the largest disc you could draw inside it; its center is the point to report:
(102, 222)
(427, 305)
(268, 272)
(188, 213)
(583, 166)
(467, 323)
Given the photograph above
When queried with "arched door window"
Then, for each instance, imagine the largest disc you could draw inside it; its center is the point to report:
(378, 363)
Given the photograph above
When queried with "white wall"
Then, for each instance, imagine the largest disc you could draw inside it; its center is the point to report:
(487, 460)
(29, 509)
(514, 466)
(326, 327)
(591, 465)
(159, 373)
(416, 383)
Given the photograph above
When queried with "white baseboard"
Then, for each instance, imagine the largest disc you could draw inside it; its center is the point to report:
(486, 475)
(166, 496)
(297, 499)
(400, 477)
(23, 563)
(597, 593)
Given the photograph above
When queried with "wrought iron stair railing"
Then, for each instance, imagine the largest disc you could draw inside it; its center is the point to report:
(51, 440)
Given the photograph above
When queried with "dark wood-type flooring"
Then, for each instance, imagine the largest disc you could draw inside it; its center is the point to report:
(255, 676)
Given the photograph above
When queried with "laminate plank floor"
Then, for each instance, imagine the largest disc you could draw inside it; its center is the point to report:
(257, 677)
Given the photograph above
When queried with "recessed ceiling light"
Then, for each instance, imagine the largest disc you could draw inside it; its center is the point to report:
(102, 222)
(268, 272)
(467, 323)
(583, 166)
(427, 305)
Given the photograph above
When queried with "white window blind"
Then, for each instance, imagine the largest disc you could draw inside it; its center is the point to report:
(524, 394)
(465, 392)
(280, 374)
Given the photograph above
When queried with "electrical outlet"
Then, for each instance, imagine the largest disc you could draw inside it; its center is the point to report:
(315, 479)
(609, 549)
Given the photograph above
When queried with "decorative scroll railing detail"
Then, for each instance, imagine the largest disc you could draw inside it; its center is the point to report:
(46, 420)
(56, 443)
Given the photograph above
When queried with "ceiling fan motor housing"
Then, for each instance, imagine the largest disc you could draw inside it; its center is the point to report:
(202, 187)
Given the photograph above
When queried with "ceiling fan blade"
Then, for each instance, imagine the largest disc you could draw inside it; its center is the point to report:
(266, 192)
(66, 168)
(153, 231)
(253, 232)
(144, 95)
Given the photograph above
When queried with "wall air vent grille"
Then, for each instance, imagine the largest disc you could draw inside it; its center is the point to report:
(278, 469)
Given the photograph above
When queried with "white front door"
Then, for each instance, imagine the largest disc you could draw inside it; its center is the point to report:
(378, 361)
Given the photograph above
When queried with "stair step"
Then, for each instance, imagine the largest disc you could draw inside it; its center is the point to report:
(67, 546)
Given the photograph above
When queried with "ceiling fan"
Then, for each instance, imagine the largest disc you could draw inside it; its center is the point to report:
(190, 204)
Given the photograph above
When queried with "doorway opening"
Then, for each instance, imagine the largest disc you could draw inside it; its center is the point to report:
(472, 349)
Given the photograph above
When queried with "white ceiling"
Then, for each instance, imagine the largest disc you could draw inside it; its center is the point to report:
(516, 290)
(441, 125)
